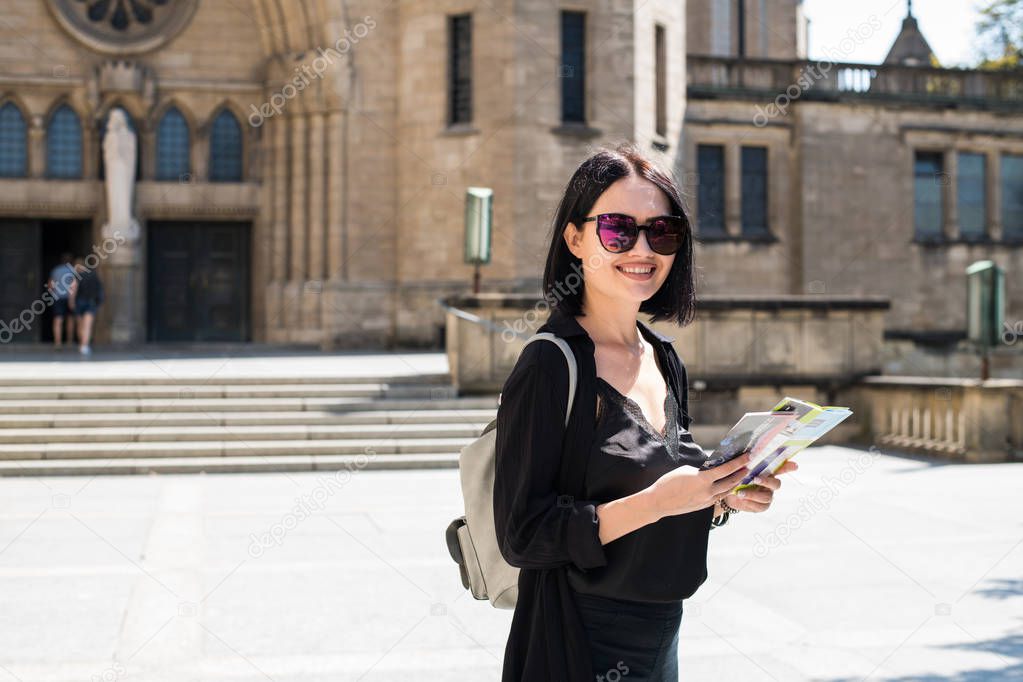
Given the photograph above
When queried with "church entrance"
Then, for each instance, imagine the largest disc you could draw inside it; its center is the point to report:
(29, 250)
(198, 288)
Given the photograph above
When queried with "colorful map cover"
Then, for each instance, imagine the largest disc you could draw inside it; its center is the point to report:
(772, 441)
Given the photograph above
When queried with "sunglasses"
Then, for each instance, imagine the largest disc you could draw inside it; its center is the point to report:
(619, 232)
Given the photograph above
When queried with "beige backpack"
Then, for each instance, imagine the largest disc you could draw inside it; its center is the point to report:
(472, 538)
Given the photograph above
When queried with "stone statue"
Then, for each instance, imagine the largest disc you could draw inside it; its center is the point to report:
(119, 154)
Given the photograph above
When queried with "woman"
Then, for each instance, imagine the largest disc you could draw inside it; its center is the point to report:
(609, 518)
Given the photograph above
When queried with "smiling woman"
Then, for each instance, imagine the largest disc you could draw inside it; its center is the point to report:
(607, 517)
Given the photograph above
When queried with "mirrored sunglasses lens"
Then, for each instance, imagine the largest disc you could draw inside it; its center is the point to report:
(665, 235)
(617, 233)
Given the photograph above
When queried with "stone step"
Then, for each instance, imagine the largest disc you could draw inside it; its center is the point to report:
(337, 465)
(156, 433)
(199, 390)
(426, 415)
(269, 448)
(157, 405)
(55, 378)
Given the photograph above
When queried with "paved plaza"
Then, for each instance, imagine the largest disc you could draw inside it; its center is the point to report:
(870, 566)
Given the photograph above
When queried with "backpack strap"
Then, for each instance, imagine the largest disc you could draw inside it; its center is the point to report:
(569, 357)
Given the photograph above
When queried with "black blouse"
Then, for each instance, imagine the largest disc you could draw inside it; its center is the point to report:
(545, 516)
(662, 561)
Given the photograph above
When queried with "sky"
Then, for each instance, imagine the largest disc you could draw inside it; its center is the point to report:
(948, 25)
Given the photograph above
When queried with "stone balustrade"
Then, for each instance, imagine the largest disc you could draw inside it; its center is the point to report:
(950, 418)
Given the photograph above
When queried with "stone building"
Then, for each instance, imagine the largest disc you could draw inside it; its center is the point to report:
(302, 165)
(839, 178)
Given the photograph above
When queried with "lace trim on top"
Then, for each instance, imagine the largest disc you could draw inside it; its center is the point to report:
(633, 408)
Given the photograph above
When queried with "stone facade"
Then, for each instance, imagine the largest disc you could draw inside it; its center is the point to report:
(353, 187)
(354, 184)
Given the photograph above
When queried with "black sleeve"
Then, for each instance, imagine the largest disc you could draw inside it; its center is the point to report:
(536, 526)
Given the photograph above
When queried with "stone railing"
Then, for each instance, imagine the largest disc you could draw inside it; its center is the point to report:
(825, 341)
(744, 353)
(957, 419)
(735, 341)
(710, 76)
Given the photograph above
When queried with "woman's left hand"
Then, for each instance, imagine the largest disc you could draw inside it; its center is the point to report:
(759, 497)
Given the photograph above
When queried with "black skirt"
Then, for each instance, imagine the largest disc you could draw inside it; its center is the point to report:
(629, 640)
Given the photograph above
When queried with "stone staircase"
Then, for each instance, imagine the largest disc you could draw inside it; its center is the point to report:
(126, 425)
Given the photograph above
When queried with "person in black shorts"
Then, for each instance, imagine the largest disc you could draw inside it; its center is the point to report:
(86, 299)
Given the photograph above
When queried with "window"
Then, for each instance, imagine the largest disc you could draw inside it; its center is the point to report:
(754, 191)
(927, 215)
(971, 196)
(721, 28)
(138, 145)
(1012, 197)
(460, 69)
(573, 67)
(13, 142)
(172, 147)
(225, 148)
(64, 144)
(710, 162)
(660, 81)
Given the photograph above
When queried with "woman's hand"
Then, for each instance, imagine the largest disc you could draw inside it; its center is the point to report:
(759, 498)
(686, 489)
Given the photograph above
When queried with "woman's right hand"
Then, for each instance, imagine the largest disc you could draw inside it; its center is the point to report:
(686, 489)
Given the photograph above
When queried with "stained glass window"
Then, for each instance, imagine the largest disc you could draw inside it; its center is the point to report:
(13, 142)
(225, 148)
(172, 147)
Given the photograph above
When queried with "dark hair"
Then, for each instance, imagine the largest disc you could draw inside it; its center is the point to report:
(675, 301)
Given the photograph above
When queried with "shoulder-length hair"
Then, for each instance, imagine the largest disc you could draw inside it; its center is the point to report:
(675, 301)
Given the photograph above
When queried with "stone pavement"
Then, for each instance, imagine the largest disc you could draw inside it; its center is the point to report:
(869, 567)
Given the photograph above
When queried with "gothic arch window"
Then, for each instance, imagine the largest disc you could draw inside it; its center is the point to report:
(64, 144)
(172, 146)
(225, 148)
(13, 142)
(138, 142)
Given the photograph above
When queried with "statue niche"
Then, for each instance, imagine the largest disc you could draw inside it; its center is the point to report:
(120, 150)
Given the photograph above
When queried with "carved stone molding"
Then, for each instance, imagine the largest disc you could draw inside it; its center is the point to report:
(121, 76)
(122, 27)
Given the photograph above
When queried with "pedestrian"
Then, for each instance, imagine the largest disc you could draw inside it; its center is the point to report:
(607, 556)
(86, 298)
(62, 278)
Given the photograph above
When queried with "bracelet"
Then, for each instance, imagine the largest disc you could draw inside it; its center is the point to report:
(729, 509)
(715, 523)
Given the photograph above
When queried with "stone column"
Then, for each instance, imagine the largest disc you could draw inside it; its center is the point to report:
(335, 195)
(36, 147)
(993, 178)
(123, 280)
(950, 195)
(299, 189)
(733, 190)
(312, 293)
(297, 232)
